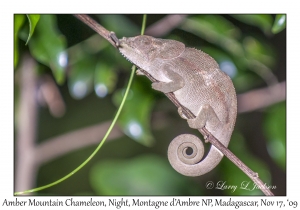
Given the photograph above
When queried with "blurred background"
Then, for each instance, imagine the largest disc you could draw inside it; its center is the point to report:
(69, 82)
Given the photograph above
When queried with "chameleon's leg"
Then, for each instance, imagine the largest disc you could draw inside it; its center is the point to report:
(206, 117)
(176, 83)
(139, 72)
(180, 112)
(113, 36)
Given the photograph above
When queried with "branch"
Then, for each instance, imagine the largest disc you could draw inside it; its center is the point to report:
(165, 25)
(208, 136)
(261, 98)
(26, 127)
(58, 146)
(49, 95)
(98, 28)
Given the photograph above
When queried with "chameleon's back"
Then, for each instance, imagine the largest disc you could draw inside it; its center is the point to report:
(205, 83)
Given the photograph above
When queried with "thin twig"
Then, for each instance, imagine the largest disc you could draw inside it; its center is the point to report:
(209, 137)
(251, 174)
(97, 27)
(261, 98)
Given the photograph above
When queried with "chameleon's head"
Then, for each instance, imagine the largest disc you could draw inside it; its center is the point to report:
(142, 50)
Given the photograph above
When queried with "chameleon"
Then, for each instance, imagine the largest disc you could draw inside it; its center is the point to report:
(198, 84)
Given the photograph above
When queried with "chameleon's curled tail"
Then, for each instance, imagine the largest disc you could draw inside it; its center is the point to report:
(185, 153)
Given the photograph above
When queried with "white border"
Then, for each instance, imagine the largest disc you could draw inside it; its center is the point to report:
(54, 6)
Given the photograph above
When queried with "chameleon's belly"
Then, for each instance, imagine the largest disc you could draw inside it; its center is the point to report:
(189, 100)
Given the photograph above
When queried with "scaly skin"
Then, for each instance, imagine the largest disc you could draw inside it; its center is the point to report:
(199, 85)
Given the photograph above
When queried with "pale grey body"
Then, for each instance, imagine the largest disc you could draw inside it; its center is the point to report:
(198, 84)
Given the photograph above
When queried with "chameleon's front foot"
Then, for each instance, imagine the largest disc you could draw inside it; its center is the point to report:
(113, 36)
(162, 87)
(139, 72)
(206, 115)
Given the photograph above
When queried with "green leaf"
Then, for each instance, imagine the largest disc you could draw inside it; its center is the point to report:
(264, 22)
(256, 50)
(245, 81)
(216, 30)
(136, 115)
(18, 22)
(81, 76)
(275, 130)
(33, 20)
(84, 56)
(279, 23)
(47, 46)
(143, 175)
(105, 78)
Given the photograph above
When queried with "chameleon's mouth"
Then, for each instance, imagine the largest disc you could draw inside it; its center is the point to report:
(125, 49)
(130, 52)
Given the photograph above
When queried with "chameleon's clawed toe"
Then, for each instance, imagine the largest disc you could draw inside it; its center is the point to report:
(139, 72)
(193, 123)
